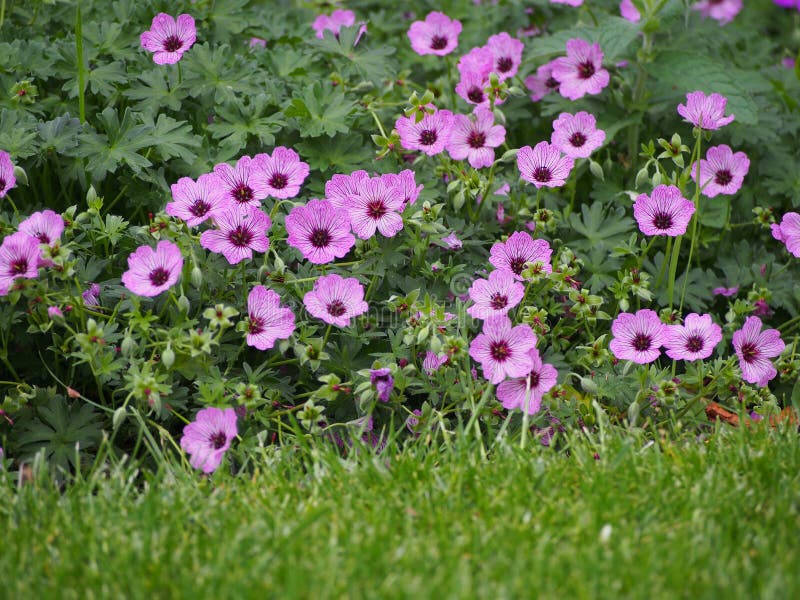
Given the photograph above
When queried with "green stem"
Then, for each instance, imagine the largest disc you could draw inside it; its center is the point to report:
(180, 73)
(481, 403)
(79, 52)
(525, 415)
(695, 217)
(325, 337)
(2, 12)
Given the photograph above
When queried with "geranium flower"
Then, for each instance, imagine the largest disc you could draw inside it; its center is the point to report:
(581, 71)
(503, 350)
(694, 340)
(91, 296)
(726, 291)
(383, 381)
(722, 171)
(567, 2)
(507, 53)
(452, 241)
(664, 212)
(340, 187)
(788, 232)
(376, 207)
(208, 437)
(430, 135)
(168, 39)
(495, 296)
(405, 183)
(19, 257)
(706, 112)
(151, 272)
(46, 226)
(471, 88)
(543, 165)
(475, 140)
(543, 82)
(518, 250)
(7, 178)
(280, 174)
(541, 378)
(320, 231)
(338, 18)
(432, 362)
(240, 232)
(722, 11)
(629, 11)
(336, 300)
(577, 135)
(267, 321)
(240, 185)
(437, 34)
(637, 337)
(195, 201)
(754, 349)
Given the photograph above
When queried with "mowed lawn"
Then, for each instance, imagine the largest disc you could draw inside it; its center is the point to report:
(711, 518)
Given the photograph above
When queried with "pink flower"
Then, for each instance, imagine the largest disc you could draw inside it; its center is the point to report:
(788, 3)
(475, 140)
(479, 61)
(581, 71)
(320, 231)
(507, 53)
(452, 241)
(513, 393)
(256, 42)
(577, 135)
(637, 337)
(208, 437)
(46, 226)
(194, 202)
(727, 292)
(437, 34)
(91, 296)
(376, 207)
(722, 171)
(721, 10)
(240, 184)
(754, 349)
(169, 38)
(543, 82)
(267, 321)
(340, 187)
(383, 381)
(430, 135)
(19, 257)
(54, 312)
(337, 19)
(280, 174)
(336, 300)
(568, 2)
(503, 350)
(517, 251)
(404, 181)
(471, 87)
(7, 178)
(706, 112)
(151, 272)
(495, 296)
(240, 232)
(664, 212)
(788, 232)
(694, 340)
(629, 11)
(543, 165)
(432, 362)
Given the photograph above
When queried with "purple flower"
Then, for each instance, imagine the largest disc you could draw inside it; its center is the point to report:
(46, 226)
(581, 71)
(495, 296)
(437, 34)
(432, 362)
(518, 250)
(91, 296)
(336, 300)
(430, 135)
(320, 231)
(376, 207)
(256, 42)
(706, 112)
(383, 381)
(169, 38)
(267, 321)
(7, 178)
(637, 337)
(19, 257)
(694, 340)
(724, 291)
(788, 3)
(543, 165)
(577, 135)
(478, 61)
(452, 241)
(54, 312)
(337, 19)
(151, 272)
(241, 230)
(664, 212)
(788, 232)
(503, 350)
(471, 88)
(629, 11)
(722, 171)
(475, 140)
(754, 349)
(721, 10)
(208, 437)
(194, 202)
(280, 174)
(507, 53)
(568, 2)
(240, 187)
(513, 393)
(543, 82)
(405, 182)
(340, 187)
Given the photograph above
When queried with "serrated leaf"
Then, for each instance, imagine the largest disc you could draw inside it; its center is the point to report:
(17, 133)
(600, 226)
(342, 153)
(153, 92)
(237, 123)
(59, 135)
(120, 144)
(321, 112)
(173, 138)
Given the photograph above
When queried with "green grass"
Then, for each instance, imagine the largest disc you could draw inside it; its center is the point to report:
(712, 519)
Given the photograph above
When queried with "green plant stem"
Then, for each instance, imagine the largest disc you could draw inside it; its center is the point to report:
(525, 415)
(695, 219)
(476, 411)
(81, 73)
(325, 337)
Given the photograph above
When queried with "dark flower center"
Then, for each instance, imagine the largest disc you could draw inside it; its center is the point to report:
(498, 301)
(240, 237)
(499, 351)
(336, 308)
(279, 181)
(159, 276)
(255, 325)
(551, 83)
(200, 208)
(243, 193)
(749, 352)
(723, 177)
(694, 343)
(217, 439)
(476, 140)
(427, 137)
(517, 264)
(172, 43)
(662, 220)
(586, 70)
(438, 42)
(475, 94)
(534, 379)
(376, 209)
(2, 183)
(504, 64)
(320, 238)
(542, 174)
(642, 342)
(577, 139)
(19, 267)
(42, 237)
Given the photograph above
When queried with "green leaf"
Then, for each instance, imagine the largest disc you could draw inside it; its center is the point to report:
(238, 122)
(600, 226)
(119, 145)
(17, 133)
(342, 153)
(614, 35)
(173, 138)
(59, 135)
(153, 92)
(321, 112)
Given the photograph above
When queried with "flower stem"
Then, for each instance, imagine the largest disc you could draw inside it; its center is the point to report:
(695, 217)
(79, 52)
